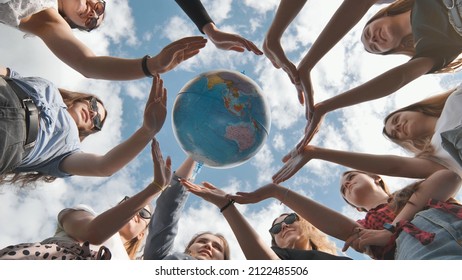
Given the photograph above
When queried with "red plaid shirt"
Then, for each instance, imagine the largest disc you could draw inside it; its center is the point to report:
(381, 214)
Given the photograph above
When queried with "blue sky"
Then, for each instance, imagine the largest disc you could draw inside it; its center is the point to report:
(135, 28)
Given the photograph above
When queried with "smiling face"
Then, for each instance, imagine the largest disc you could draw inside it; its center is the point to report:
(409, 125)
(83, 116)
(87, 14)
(292, 235)
(207, 247)
(381, 35)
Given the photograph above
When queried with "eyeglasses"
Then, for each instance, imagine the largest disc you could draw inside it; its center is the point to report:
(99, 8)
(143, 213)
(289, 219)
(93, 106)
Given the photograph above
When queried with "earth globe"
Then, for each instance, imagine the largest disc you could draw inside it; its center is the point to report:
(221, 118)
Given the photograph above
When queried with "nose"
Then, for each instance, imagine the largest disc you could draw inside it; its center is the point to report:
(208, 245)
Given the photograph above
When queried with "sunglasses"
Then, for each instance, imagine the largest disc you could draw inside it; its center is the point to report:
(99, 8)
(143, 213)
(289, 219)
(93, 107)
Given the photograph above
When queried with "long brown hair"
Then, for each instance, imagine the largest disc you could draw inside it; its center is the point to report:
(397, 200)
(396, 8)
(29, 178)
(226, 250)
(431, 106)
(407, 43)
(316, 238)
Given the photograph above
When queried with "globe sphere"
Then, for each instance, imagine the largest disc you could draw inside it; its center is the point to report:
(221, 118)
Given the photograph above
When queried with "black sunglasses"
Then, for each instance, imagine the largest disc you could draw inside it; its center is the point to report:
(99, 8)
(289, 219)
(93, 106)
(144, 213)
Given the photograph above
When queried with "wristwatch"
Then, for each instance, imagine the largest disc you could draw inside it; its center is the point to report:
(391, 228)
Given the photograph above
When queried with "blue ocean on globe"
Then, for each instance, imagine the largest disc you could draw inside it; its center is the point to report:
(221, 118)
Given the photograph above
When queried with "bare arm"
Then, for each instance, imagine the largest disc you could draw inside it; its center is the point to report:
(346, 17)
(83, 226)
(324, 218)
(252, 245)
(390, 165)
(105, 165)
(441, 185)
(59, 38)
(381, 86)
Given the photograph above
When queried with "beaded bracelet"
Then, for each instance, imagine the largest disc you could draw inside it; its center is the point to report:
(230, 201)
(144, 66)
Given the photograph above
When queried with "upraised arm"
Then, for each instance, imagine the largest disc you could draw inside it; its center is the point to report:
(106, 165)
(252, 245)
(285, 14)
(83, 226)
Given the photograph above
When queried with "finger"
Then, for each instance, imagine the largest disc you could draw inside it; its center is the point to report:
(208, 185)
(301, 95)
(253, 48)
(237, 49)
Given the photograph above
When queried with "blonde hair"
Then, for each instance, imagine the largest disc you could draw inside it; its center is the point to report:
(407, 43)
(433, 107)
(316, 238)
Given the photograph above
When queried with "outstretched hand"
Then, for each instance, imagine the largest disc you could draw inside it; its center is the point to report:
(162, 169)
(155, 111)
(260, 194)
(230, 41)
(293, 162)
(207, 191)
(175, 53)
(274, 52)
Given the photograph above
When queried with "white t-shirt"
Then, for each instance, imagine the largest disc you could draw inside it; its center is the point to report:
(451, 117)
(114, 244)
(12, 11)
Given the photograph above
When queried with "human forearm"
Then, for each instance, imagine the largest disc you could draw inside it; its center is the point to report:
(346, 17)
(119, 156)
(324, 218)
(252, 245)
(442, 185)
(285, 14)
(381, 86)
(108, 223)
(389, 165)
